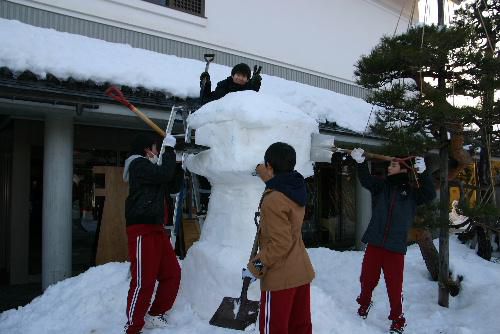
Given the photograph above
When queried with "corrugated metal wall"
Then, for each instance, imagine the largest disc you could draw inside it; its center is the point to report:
(46, 19)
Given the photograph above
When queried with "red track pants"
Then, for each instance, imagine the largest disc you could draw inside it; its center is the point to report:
(151, 259)
(286, 311)
(375, 260)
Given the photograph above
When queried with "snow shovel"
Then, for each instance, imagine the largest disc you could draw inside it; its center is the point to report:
(238, 313)
(117, 95)
(209, 57)
(323, 146)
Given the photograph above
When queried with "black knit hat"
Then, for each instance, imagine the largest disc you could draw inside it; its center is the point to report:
(243, 69)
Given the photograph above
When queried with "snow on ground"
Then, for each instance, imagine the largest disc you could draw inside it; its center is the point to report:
(94, 302)
(42, 51)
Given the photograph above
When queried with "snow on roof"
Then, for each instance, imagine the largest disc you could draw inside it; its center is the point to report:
(42, 51)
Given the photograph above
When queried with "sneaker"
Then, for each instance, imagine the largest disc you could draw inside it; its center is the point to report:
(398, 326)
(155, 321)
(364, 309)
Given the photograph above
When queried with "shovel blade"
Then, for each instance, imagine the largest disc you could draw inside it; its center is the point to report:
(319, 140)
(234, 314)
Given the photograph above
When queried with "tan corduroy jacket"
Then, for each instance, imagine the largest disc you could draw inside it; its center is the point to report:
(281, 249)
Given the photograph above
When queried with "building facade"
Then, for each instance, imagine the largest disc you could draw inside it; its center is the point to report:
(45, 139)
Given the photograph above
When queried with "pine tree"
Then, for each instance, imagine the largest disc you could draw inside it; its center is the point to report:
(416, 113)
(478, 77)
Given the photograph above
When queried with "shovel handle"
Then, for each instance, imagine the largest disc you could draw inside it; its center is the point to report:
(246, 280)
(370, 155)
(209, 57)
(117, 95)
(244, 289)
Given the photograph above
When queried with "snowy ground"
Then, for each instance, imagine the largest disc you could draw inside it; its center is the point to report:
(94, 302)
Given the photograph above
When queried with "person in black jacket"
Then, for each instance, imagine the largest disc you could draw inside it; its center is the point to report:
(150, 252)
(394, 204)
(238, 81)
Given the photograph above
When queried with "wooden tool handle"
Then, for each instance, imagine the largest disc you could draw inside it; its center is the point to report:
(117, 95)
(371, 155)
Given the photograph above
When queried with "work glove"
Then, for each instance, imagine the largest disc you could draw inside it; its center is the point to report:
(357, 154)
(169, 140)
(247, 273)
(419, 165)
(204, 78)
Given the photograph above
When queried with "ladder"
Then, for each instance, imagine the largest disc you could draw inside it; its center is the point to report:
(189, 195)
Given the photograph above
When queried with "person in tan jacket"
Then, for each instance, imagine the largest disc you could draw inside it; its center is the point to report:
(282, 263)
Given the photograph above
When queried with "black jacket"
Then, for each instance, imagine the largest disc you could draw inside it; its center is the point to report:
(393, 209)
(148, 186)
(224, 87)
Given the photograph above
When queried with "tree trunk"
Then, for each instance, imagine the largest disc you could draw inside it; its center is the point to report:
(430, 254)
(443, 297)
(457, 152)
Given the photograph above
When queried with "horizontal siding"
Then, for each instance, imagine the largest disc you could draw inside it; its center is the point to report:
(46, 19)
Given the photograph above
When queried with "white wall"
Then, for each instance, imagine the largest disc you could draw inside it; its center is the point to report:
(323, 37)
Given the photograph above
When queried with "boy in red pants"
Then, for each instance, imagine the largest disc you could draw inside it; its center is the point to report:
(282, 263)
(150, 252)
(393, 212)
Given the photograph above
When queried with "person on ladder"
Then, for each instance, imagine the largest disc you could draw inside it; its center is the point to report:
(393, 212)
(238, 81)
(150, 251)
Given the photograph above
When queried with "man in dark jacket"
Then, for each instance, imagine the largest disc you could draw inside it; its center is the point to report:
(282, 263)
(393, 211)
(150, 252)
(238, 81)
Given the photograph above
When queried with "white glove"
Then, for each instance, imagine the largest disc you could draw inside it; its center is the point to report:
(357, 154)
(247, 273)
(419, 165)
(169, 140)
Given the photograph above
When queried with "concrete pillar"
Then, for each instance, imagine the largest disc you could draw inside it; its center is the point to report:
(363, 212)
(57, 188)
(20, 203)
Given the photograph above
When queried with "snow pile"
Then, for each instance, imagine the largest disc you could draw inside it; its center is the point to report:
(94, 302)
(65, 55)
(238, 128)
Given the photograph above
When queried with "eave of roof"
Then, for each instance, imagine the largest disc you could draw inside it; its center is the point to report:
(27, 86)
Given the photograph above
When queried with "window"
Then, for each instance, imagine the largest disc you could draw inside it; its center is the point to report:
(195, 7)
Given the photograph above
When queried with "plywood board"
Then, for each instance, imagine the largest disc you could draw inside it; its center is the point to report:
(112, 243)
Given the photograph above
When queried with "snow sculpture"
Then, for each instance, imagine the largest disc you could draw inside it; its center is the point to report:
(238, 129)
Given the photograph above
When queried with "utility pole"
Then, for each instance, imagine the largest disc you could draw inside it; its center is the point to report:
(444, 199)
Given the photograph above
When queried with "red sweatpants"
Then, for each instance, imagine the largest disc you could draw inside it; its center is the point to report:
(392, 263)
(151, 259)
(286, 311)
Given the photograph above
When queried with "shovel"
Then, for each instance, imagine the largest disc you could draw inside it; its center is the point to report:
(186, 147)
(117, 95)
(209, 57)
(323, 146)
(238, 313)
